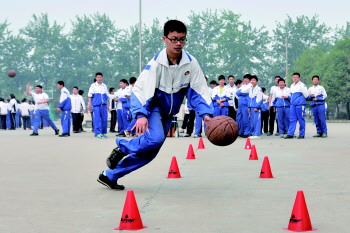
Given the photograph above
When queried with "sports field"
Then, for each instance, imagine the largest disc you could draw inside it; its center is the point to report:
(48, 184)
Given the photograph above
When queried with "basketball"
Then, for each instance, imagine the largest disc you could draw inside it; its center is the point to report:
(11, 73)
(222, 131)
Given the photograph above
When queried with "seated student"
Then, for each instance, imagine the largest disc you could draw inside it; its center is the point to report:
(255, 105)
(220, 97)
(281, 102)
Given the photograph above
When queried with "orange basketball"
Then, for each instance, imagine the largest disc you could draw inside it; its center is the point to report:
(222, 131)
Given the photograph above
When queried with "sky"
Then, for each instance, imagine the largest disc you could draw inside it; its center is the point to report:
(125, 13)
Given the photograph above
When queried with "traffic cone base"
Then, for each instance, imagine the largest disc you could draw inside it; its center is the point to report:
(174, 171)
(131, 219)
(248, 146)
(190, 152)
(253, 154)
(266, 169)
(300, 220)
(201, 144)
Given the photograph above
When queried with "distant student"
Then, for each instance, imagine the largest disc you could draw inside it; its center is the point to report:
(272, 109)
(255, 105)
(265, 112)
(64, 106)
(12, 106)
(220, 97)
(317, 96)
(232, 89)
(299, 94)
(3, 113)
(282, 97)
(243, 105)
(78, 109)
(25, 110)
(81, 93)
(112, 109)
(123, 107)
(42, 108)
(98, 102)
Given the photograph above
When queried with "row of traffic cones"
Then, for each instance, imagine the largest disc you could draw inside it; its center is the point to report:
(299, 220)
(131, 219)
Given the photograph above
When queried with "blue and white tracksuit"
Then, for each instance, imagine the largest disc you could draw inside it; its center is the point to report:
(99, 101)
(123, 109)
(242, 112)
(158, 95)
(318, 107)
(255, 102)
(41, 111)
(298, 97)
(219, 93)
(283, 108)
(65, 105)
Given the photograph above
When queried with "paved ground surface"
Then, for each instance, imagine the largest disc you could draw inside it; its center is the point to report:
(48, 184)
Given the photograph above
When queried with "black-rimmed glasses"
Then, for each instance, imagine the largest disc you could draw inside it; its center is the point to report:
(182, 40)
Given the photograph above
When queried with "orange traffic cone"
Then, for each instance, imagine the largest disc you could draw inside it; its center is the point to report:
(248, 146)
(201, 144)
(131, 219)
(190, 152)
(174, 171)
(253, 154)
(300, 220)
(266, 169)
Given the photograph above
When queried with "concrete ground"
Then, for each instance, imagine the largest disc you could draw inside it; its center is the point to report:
(48, 184)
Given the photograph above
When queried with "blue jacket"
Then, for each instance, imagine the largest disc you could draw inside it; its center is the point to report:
(319, 92)
(65, 101)
(255, 97)
(163, 87)
(243, 95)
(98, 94)
(299, 94)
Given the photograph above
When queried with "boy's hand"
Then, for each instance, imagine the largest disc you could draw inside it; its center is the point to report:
(141, 126)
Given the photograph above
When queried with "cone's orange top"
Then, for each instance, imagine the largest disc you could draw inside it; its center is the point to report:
(174, 171)
(299, 219)
(266, 169)
(131, 219)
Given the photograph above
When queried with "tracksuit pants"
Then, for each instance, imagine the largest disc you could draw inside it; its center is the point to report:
(283, 118)
(45, 115)
(319, 113)
(26, 122)
(297, 113)
(122, 120)
(65, 122)
(143, 149)
(255, 122)
(100, 119)
(243, 120)
(198, 125)
(220, 111)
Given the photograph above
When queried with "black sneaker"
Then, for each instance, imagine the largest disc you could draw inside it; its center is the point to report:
(288, 137)
(114, 158)
(57, 132)
(324, 135)
(318, 135)
(300, 137)
(107, 182)
(64, 135)
(34, 134)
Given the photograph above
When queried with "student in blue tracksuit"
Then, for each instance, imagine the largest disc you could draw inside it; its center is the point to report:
(41, 109)
(243, 105)
(255, 105)
(98, 102)
(129, 132)
(65, 106)
(281, 97)
(123, 107)
(157, 96)
(220, 96)
(317, 97)
(299, 94)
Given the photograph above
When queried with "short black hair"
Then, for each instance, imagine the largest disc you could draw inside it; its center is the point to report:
(281, 80)
(277, 76)
(263, 89)
(213, 82)
(132, 80)
(24, 100)
(315, 76)
(238, 81)
(41, 87)
(221, 77)
(174, 25)
(98, 73)
(248, 76)
(231, 76)
(76, 87)
(124, 81)
(60, 83)
(2, 99)
(81, 92)
(12, 96)
(111, 89)
(254, 77)
(296, 74)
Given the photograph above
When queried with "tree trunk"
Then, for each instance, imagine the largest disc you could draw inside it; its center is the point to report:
(348, 110)
(336, 111)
